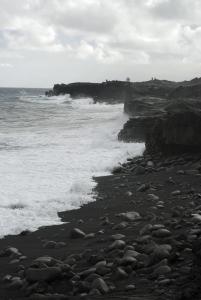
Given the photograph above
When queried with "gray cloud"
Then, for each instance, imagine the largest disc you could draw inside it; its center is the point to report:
(108, 36)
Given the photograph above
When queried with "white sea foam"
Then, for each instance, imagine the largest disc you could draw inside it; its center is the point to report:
(50, 148)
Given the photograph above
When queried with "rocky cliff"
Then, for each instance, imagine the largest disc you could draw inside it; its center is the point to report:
(177, 131)
(169, 123)
(109, 91)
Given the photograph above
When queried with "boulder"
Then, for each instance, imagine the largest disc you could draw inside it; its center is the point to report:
(76, 233)
(43, 274)
(100, 285)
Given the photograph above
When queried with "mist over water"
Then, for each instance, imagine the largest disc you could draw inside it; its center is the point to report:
(50, 148)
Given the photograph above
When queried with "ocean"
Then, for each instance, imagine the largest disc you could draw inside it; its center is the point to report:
(50, 150)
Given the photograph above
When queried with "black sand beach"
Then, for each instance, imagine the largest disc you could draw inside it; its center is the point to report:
(149, 253)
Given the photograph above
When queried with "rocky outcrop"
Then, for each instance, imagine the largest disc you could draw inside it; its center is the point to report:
(173, 129)
(148, 98)
(146, 106)
(109, 91)
(136, 129)
(176, 132)
(151, 97)
(188, 91)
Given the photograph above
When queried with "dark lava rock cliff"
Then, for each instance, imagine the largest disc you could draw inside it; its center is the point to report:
(169, 123)
(109, 91)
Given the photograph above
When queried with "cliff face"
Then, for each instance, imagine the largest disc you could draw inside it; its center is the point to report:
(109, 91)
(148, 97)
(188, 91)
(175, 133)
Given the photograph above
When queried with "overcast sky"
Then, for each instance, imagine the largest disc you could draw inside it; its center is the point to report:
(43, 42)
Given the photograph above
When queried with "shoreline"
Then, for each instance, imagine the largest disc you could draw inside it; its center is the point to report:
(174, 184)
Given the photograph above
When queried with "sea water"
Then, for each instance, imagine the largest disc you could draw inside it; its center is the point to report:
(50, 150)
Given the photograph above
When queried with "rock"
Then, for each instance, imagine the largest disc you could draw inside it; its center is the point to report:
(14, 261)
(10, 251)
(161, 233)
(153, 197)
(117, 236)
(117, 170)
(60, 245)
(162, 251)
(45, 260)
(131, 253)
(128, 260)
(129, 193)
(100, 285)
(118, 244)
(76, 233)
(178, 130)
(130, 287)
(144, 187)
(89, 236)
(157, 226)
(136, 129)
(101, 263)
(87, 272)
(162, 270)
(95, 292)
(50, 245)
(120, 274)
(121, 225)
(43, 274)
(130, 216)
(16, 283)
(108, 91)
(102, 270)
(176, 193)
(140, 170)
(146, 229)
(7, 278)
(150, 164)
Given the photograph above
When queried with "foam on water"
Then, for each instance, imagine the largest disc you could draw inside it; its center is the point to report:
(50, 148)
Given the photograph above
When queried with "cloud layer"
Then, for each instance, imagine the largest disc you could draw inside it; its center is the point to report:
(100, 34)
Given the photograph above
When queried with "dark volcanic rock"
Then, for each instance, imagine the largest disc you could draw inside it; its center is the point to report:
(136, 129)
(109, 91)
(43, 274)
(146, 106)
(188, 91)
(177, 132)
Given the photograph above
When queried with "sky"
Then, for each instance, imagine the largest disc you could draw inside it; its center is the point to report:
(43, 42)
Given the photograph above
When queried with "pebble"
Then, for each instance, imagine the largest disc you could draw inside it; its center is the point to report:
(100, 285)
(50, 245)
(130, 216)
(121, 274)
(130, 287)
(162, 270)
(153, 197)
(117, 236)
(10, 251)
(118, 244)
(43, 274)
(89, 236)
(161, 233)
(140, 170)
(143, 188)
(76, 233)
(121, 225)
(176, 193)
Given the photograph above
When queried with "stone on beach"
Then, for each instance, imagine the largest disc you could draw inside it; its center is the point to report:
(161, 233)
(100, 285)
(130, 216)
(43, 274)
(76, 233)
